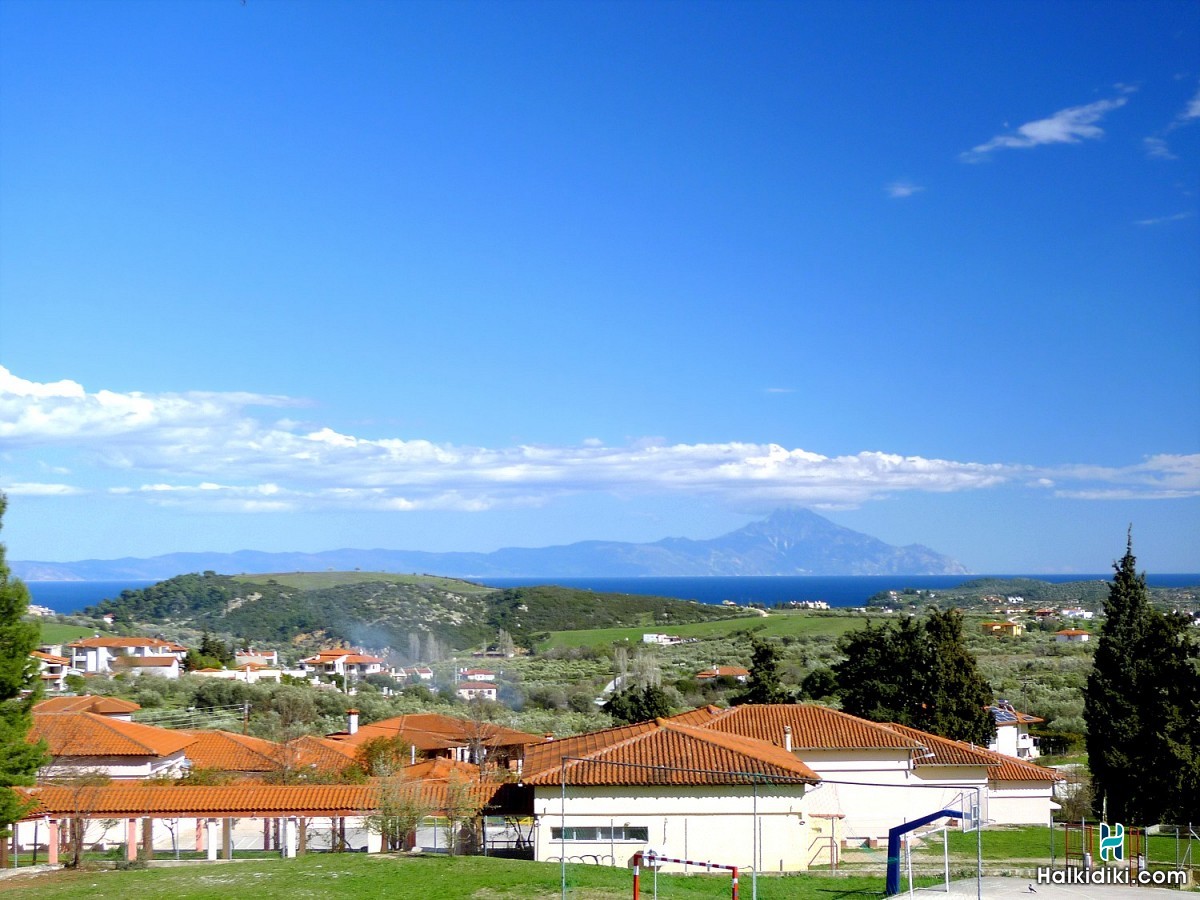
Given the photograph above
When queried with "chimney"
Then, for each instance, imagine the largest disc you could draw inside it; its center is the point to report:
(352, 721)
(787, 738)
(412, 754)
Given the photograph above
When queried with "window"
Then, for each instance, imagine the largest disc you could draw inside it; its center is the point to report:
(589, 833)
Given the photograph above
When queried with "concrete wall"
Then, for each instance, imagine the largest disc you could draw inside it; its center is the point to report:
(717, 824)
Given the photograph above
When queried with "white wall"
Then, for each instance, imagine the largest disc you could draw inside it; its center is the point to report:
(716, 824)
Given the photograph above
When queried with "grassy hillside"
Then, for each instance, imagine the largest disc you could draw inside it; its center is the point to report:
(776, 624)
(309, 581)
(380, 610)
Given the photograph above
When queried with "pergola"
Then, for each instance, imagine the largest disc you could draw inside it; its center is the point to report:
(285, 810)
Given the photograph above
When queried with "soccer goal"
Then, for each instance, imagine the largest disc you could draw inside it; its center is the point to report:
(652, 860)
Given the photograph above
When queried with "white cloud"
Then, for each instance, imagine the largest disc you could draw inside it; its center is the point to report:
(178, 451)
(1192, 110)
(39, 489)
(1162, 219)
(1156, 148)
(900, 189)
(1067, 126)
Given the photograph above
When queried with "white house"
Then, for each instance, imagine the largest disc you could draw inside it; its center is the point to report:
(685, 792)
(472, 690)
(53, 670)
(476, 675)
(735, 672)
(1012, 732)
(88, 743)
(253, 657)
(97, 655)
(342, 662)
(417, 673)
(1072, 636)
(1078, 613)
(663, 639)
(248, 673)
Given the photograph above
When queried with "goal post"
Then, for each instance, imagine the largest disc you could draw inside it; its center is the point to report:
(652, 859)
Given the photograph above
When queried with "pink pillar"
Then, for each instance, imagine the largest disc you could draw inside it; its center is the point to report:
(52, 843)
(131, 839)
(200, 829)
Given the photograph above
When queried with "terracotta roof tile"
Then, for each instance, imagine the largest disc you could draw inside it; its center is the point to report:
(813, 727)
(89, 734)
(87, 703)
(432, 731)
(945, 751)
(127, 642)
(231, 752)
(670, 753)
(240, 800)
(50, 657)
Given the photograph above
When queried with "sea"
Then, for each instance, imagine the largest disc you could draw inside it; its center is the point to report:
(769, 590)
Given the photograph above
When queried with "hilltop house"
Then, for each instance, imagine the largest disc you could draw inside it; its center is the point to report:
(1072, 636)
(342, 663)
(735, 672)
(104, 655)
(1006, 629)
(1012, 732)
(476, 690)
(53, 670)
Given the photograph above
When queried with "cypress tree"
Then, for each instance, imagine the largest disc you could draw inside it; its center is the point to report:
(1142, 707)
(19, 688)
(1111, 703)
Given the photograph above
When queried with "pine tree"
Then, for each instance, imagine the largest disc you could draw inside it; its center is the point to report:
(19, 687)
(919, 674)
(764, 684)
(957, 695)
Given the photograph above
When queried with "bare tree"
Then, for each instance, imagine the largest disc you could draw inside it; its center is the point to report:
(401, 806)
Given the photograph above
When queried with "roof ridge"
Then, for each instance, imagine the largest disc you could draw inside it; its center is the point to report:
(746, 746)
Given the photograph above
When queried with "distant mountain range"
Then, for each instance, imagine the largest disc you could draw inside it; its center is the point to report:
(788, 542)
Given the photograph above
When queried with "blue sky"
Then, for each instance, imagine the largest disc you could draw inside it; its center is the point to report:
(300, 276)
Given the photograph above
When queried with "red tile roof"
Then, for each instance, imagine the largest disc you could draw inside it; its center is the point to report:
(87, 734)
(230, 752)
(146, 662)
(945, 751)
(813, 727)
(241, 800)
(667, 752)
(50, 657)
(724, 671)
(128, 642)
(106, 706)
(432, 731)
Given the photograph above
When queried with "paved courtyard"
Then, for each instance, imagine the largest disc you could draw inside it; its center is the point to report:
(995, 888)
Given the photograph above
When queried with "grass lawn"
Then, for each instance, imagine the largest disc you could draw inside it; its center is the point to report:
(58, 633)
(1032, 842)
(777, 624)
(311, 581)
(424, 877)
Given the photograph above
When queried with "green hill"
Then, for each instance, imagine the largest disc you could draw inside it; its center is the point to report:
(381, 610)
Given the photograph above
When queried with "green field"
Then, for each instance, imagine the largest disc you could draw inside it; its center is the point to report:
(776, 624)
(312, 581)
(58, 633)
(432, 877)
